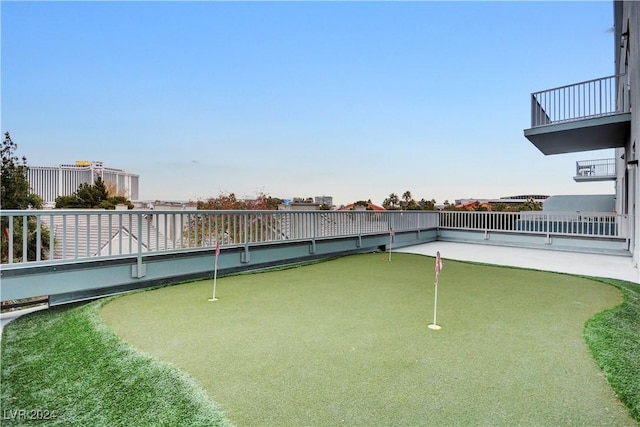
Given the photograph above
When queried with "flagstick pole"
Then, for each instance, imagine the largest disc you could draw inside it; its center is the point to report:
(390, 238)
(435, 305)
(435, 325)
(215, 271)
(215, 276)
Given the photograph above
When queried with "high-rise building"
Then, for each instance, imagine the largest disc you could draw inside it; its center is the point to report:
(49, 182)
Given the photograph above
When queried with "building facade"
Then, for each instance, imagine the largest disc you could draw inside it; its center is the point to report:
(627, 60)
(49, 182)
(599, 114)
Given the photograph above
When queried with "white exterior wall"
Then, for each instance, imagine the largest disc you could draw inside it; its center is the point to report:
(44, 182)
(49, 182)
(627, 54)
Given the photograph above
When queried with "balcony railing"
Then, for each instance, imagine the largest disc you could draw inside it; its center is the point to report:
(579, 101)
(594, 169)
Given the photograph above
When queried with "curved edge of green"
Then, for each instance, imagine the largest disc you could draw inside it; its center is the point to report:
(103, 380)
(205, 411)
(613, 337)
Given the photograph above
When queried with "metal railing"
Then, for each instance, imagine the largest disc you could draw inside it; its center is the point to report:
(468, 220)
(596, 168)
(47, 236)
(592, 225)
(578, 101)
(68, 235)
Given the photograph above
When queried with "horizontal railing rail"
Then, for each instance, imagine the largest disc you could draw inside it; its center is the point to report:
(578, 101)
(592, 225)
(48, 236)
(596, 168)
(60, 236)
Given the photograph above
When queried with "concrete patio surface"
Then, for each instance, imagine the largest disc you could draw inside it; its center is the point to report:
(611, 266)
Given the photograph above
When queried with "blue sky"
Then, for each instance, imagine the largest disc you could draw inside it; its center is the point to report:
(355, 100)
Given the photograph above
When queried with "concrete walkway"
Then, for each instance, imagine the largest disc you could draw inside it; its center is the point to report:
(611, 266)
(9, 316)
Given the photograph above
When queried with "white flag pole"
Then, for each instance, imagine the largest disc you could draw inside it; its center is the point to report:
(390, 241)
(215, 272)
(435, 309)
(435, 325)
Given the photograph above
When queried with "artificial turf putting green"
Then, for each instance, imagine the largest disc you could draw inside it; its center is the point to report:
(346, 342)
(64, 367)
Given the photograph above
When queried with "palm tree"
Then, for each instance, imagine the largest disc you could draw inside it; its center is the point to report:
(406, 197)
(391, 202)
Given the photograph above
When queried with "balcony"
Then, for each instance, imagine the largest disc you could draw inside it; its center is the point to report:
(579, 117)
(595, 170)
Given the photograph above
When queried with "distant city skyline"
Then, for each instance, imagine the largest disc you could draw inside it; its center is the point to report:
(318, 199)
(354, 100)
